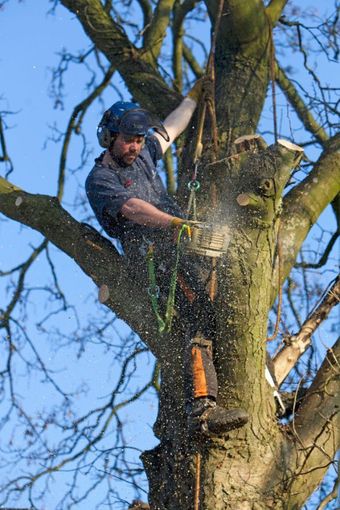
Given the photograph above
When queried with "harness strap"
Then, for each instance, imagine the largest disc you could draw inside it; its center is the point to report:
(164, 325)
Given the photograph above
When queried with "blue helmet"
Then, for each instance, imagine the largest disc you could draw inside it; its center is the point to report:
(130, 119)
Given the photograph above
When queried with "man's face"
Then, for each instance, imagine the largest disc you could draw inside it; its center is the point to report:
(126, 148)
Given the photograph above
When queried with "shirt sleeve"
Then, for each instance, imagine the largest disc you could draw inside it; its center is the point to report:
(177, 121)
(106, 194)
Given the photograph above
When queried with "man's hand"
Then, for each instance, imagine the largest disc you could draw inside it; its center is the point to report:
(178, 222)
(203, 86)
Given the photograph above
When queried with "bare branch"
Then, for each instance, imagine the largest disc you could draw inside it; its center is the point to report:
(180, 11)
(323, 258)
(296, 344)
(303, 204)
(88, 249)
(170, 172)
(193, 64)
(93, 434)
(317, 438)
(74, 125)
(301, 109)
(4, 157)
(5, 315)
(145, 5)
(331, 496)
(142, 78)
(156, 31)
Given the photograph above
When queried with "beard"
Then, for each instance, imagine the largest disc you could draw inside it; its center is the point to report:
(124, 160)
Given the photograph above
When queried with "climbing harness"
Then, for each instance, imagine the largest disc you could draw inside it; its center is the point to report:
(206, 240)
(164, 325)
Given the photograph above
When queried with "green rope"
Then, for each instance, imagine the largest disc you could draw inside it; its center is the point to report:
(164, 325)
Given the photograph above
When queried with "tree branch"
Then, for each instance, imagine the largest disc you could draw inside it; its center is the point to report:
(145, 5)
(5, 316)
(190, 59)
(142, 78)
(299, 106)
(316, 428)
(323, 258)
(332, 495)
(297, 344)
(95, 433)
(177, 55)
(170, 172)
(74, 125)
(303, 204)
(180, 11)
(156, 31)
(4, 157)
(94, 254)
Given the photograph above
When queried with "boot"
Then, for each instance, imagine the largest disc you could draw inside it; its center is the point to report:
(208, 418)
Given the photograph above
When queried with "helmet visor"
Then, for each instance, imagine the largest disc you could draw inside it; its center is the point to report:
(139, 122)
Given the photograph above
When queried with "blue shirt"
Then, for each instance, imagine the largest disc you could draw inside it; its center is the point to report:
(109, 187)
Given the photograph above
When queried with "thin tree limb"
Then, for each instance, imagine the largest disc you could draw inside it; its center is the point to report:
(4, 157)
(180, 11)
(141, 77)
(323, 258)
(193, 64)
(331, 496)
(316, 427)
(297, 344)
(177, 56)
(156, 31)
(74, 125)
(145, 5)
(302, 111)
(5, 316)
(170, 172)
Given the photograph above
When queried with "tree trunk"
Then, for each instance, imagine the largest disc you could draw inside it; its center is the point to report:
(244, 469)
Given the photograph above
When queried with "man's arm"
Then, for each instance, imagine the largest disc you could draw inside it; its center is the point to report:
(176, 122)
(143, 213)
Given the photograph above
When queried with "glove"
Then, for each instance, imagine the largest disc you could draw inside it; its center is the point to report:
(178, 222)
(202, 86)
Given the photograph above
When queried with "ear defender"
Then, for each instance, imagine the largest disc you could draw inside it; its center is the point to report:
(104, 136)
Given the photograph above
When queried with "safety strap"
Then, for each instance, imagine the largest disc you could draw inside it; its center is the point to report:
(164, 325)
(193, 186)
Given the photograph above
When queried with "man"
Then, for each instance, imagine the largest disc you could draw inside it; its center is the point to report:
(131, 204)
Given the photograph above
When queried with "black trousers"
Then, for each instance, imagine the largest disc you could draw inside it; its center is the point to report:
(194, 305)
